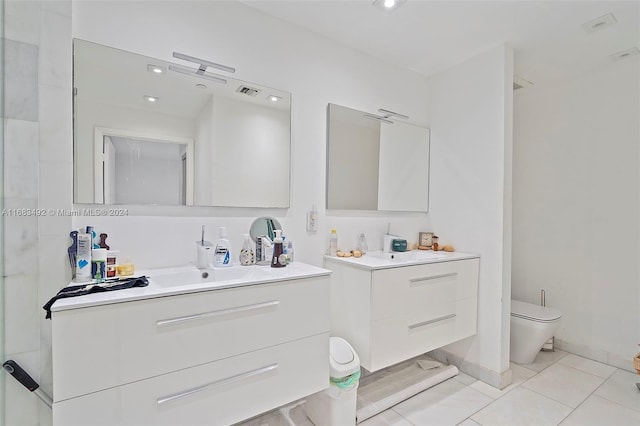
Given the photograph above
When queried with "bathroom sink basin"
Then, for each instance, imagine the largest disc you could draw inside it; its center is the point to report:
(197, 276)
(408, 256)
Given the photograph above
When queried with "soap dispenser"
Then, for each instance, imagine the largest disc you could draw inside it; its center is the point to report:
(277, 261)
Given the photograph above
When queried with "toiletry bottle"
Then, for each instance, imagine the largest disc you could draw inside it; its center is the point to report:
(222, 254)
(83, 257)
(99, 264)
(290, 250)
(333, 243)
(246, 254)
(276, 261)
(362, 244)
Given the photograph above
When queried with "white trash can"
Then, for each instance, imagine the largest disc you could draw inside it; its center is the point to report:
(336, 406)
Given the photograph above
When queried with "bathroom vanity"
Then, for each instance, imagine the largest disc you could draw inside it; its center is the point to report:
(189, 349)
(394, 306)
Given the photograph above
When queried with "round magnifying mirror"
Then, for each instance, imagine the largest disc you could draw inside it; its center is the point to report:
(264, 226)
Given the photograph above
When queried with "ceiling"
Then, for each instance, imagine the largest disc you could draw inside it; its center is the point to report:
(430, 36)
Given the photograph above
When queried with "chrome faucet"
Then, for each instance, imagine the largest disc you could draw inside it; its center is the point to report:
(387, 239)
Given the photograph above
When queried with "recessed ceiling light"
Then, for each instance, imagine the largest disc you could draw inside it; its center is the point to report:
(388, 4)
(156, 69)
(151, 98)
(634, 51)
(600, 23)
(274, 98)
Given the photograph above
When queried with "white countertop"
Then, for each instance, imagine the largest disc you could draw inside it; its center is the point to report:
(379, 260)
(162, 282)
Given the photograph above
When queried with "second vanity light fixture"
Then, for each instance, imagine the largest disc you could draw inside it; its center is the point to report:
(201, 71)
(386, 114)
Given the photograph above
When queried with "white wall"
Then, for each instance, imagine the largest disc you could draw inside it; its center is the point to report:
(470, 114)
(257, 139)
(576, 208)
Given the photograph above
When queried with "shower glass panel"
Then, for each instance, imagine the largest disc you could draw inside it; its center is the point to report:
(3, 392)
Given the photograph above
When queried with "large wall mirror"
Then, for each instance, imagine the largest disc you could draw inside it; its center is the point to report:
(147, 133)
(375, 164)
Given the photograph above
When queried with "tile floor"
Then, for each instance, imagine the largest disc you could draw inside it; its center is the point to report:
(556, 389)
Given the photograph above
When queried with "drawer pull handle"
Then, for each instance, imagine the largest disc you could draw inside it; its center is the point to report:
(221, 382)
(422, 324)
(418, 281)
(221, 312)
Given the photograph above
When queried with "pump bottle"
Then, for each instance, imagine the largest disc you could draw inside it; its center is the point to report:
(276, 260)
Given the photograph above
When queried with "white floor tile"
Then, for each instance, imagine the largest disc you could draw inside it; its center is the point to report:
(544, 360)
(386, 418)
(597, 411)
(564, 384)
(621, 388)
(588, 366)
(448, 403)
(468, 422)
(522, 407)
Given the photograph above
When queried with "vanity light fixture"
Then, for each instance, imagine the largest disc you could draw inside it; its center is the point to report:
(203, 63)
(196, 73)
(377, 118)
(274, 98)
(156, 69)
(388, 5)
(386, 114)
(151, 99)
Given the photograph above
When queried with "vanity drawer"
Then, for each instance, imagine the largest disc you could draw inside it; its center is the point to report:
(422, 288)
(218, 393)
(110, 345)
(398, 338)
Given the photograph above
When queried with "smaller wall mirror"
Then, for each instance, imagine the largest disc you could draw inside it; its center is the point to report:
(374, 164)
(264, 226)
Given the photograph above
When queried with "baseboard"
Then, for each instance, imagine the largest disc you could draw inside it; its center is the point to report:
(490, 377)
(600, 355)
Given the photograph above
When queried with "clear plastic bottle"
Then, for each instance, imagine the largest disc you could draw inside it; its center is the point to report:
(333, 243)
(362, 244)
(247, 257)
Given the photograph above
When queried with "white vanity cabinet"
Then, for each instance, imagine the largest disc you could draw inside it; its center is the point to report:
(211, 357)
(391, 311)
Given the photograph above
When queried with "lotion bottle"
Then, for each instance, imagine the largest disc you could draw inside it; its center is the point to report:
(222, 254)
(83, 257)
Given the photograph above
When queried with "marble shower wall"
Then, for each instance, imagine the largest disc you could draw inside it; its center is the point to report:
(38, 164)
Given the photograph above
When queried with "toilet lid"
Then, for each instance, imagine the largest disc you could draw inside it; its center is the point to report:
(533, 312)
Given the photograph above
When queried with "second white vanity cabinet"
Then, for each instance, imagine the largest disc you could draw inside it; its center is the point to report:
(210, 357)
(392, 310)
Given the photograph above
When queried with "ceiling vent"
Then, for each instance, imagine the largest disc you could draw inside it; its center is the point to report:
(634, 51)
(519, 82)
(249, 91)
(600, 23)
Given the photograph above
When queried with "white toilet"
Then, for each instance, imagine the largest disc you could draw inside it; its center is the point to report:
(531, 326)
